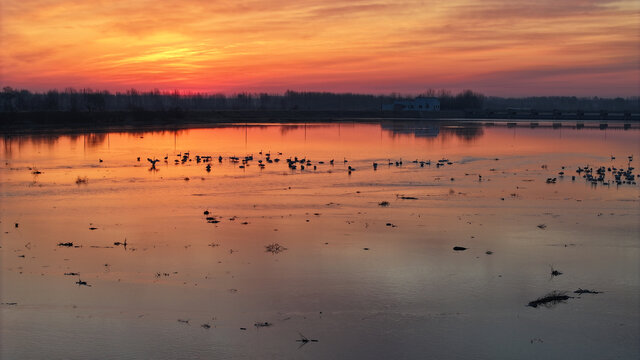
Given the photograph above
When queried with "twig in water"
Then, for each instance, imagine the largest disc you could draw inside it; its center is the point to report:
(552, 298)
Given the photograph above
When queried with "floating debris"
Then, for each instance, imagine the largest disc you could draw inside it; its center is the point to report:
(206, 326)
(542, 226)
(551, 299)
(82, 180)
(262, 324)
(67, 244)
(303, 339)
(124, 244)
(72, 274)
(555, 272)
(384, 203)
(488, 252)
(587, 291)
(459, 248)
(275, 248)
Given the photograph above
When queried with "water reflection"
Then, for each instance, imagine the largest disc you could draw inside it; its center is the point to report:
(370, 268)
(423, 130)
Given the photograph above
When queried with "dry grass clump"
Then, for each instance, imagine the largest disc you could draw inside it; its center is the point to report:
(275, 248)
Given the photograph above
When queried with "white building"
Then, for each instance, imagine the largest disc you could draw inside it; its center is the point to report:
(417, 104)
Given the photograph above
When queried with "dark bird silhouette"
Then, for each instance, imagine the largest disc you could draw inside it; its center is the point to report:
(153, 162)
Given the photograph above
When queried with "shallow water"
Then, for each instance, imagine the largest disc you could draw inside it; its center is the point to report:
(408, 296)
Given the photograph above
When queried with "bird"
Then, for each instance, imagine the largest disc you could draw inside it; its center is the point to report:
(153, 162)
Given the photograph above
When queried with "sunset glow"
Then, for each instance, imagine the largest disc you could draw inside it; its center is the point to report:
(498, 47)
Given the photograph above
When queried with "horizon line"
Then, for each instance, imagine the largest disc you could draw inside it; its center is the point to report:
(187, 93)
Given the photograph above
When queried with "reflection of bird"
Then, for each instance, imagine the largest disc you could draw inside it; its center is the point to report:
(153, 162)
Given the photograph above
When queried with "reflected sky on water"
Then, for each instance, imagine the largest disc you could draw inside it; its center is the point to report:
(367, 281)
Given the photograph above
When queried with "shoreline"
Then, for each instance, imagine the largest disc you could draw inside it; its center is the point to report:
(15, 123)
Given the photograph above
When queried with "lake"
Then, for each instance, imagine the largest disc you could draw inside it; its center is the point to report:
(256, 261)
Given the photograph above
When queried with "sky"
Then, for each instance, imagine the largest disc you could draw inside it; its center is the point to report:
(497, 47)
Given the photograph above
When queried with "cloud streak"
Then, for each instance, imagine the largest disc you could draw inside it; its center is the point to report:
(496, 46)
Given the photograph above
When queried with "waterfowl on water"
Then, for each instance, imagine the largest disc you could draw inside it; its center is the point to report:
(153, 162)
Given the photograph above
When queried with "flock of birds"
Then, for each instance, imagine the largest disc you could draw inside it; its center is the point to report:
(595, 176)
(619, 176)
(293, 162)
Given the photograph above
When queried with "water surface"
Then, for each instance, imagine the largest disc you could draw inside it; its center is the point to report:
(365, 280)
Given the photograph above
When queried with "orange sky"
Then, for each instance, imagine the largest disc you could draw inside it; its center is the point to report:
(498, 47)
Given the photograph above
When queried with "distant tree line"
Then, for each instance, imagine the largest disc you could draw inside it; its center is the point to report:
(87, 100)
(565, 103)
